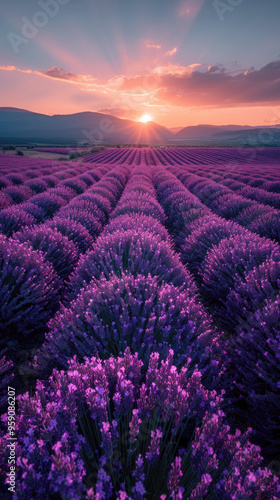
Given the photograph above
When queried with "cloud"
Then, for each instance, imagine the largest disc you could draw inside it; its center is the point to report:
(219, 88)
(175, 69)
(87, 82)
(152, 45)
(171, 52)
(14, 68)
(190, 86)
(8, 68)
(60, 74)
(215, 86)
(214, 68)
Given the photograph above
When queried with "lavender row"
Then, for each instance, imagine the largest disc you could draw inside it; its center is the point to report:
(43, 206)
(120, 156)
(16, 194)
(253, 193)
(36, 262)
(198, 232)
(63, 151)
(226, 156)
(13, 163)
(18, 169)
(255, 216)
(265, 175)
(239, 277)
(262, 176)
(132, 257)
(107, 156)
(75, 226)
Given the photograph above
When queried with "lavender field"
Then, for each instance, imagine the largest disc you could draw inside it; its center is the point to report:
(140, 324)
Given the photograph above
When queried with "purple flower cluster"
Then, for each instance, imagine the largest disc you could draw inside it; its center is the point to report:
(127, 431)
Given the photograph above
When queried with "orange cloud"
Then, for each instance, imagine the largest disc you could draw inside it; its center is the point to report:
(8, 68)
(171, 52)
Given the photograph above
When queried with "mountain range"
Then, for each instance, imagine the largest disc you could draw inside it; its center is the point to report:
(22, 126)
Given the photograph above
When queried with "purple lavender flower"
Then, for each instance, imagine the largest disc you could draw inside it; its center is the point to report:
(50, 446)
(174, 479)
(154, 447)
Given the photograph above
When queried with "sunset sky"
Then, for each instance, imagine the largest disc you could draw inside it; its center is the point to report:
(181, 62)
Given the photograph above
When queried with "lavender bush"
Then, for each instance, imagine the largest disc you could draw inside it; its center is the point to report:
(227, 264)
(130, 434)
(73, 230)
(18, 194)
(260, 284)
(140, 203)
(56, 248)
(129, 311)
(84, 217)
(28, 291)
(13, 218)
(253, 367)
(49, 202)
(268, 225)
(144, 223)
(135, 252)
(207, 235)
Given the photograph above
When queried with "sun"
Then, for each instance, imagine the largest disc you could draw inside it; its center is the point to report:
(145, 118)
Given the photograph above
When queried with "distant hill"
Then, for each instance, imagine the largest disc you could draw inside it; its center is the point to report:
(17, 124)
(22, 126)
(205, 131)
(253, 136)
(234, 135)
(175, 130)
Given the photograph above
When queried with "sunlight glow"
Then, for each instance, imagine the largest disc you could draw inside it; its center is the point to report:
(145, 118)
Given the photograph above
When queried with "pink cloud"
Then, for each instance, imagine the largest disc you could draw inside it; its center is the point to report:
(152, 45)
(171, 52)
(192, 86)
(8, 68)
(220, 89)
(60, 73)
(175, 69)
